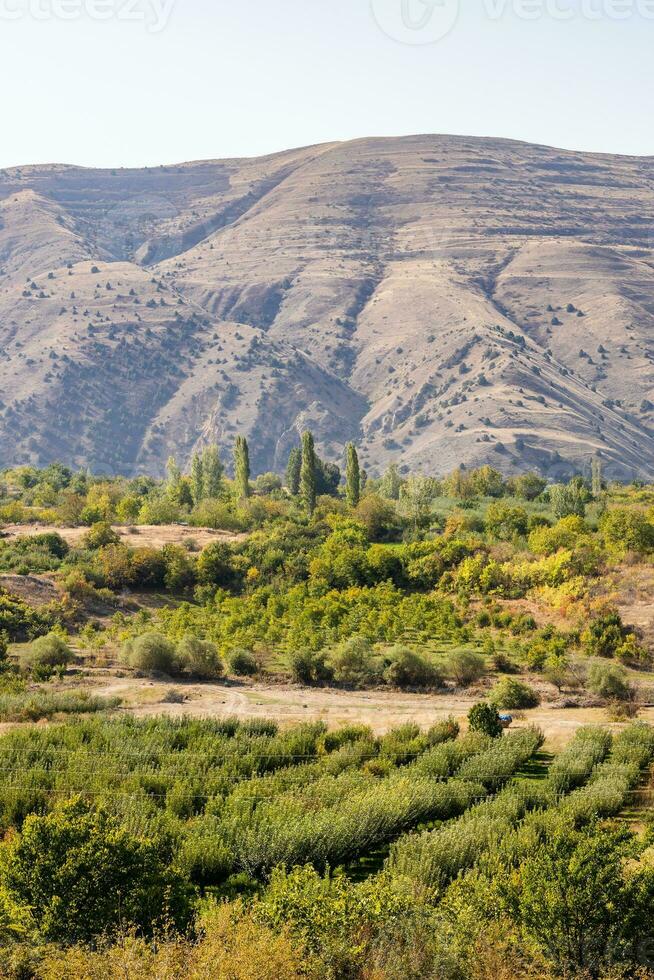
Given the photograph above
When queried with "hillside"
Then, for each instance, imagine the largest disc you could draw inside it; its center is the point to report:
(467, 300)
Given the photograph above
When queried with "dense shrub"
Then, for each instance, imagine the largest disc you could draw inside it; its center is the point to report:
(511, 694)
(199, 658)
(243, 663)
(150, 653)
(465, 668)
(610, 681)
(484, 718)
(46, 654)
(409, 669)
(100, 535)
(354, 662)
(76, 874)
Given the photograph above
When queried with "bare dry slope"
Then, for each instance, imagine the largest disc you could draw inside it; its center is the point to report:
(463, 300)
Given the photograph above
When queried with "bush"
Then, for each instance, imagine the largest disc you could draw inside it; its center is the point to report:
(465, 667)
(627, 530)
(150, 653)
(484, 718)
(409, 669)
(76, 874)
(308, 666)
(199, 658)
(512, 695)
(354, 663)
(505, 522)
(604, 636)
(100, 535)
(610, 682)
(44, 655)
(243, 663)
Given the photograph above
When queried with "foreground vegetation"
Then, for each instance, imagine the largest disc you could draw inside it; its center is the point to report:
(193, 848)
(167, 849)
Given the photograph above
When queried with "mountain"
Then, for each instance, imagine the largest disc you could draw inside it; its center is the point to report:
(444, 299)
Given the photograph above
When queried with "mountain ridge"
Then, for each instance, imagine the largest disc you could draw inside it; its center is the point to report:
(450, 299)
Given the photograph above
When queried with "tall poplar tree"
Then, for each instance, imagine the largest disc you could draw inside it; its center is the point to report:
(242, 467)
(293, 471)
(352, 476)
(197, 478)
(308, 473)
(212, 472)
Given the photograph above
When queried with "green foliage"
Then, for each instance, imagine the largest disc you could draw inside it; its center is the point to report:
(293, 471)
(199, 658)
(604, 636)
(100, 535)
(575, 900)
(77, 874)
(242, 467)
(308, 482)
(243, 663)
(352, 476)
(626, 530)
(510, 694)
(465, 667)
(505, 522)
(408, 669)
(484, 718)
(45, 654)
(569, 500)
(609, 681)
(354, 663)
(150, 653)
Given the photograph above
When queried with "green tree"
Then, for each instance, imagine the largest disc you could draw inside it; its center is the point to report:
(308, 473)
(352, 476)
(596, 477)
(484, 718)
(293, 471)
(212, 472)
(568, 500)
(242, 467)
(78, 874)
(391, 483)
(173, 478)
(574, 898)
(197, 479)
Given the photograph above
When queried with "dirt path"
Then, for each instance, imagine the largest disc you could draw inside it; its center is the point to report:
(138, 536)
(379, 709)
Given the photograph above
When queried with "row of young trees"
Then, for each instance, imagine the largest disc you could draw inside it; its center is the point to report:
(307, 476)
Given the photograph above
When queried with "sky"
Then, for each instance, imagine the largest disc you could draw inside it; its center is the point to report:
(113, 83)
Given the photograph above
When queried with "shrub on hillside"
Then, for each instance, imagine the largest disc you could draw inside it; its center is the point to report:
(465, 667)
(100, 535)
(354, 662)
(510, 694)
(199, 658)
(505, 522)
(150, 653)
(609, 681)
(406, 668)
(243, 663)
(308, 666)
(45, 655)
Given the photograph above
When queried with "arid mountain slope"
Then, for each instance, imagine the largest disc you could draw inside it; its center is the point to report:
(458, 299)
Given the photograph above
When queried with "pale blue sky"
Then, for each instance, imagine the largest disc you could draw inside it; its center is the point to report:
(245, 77)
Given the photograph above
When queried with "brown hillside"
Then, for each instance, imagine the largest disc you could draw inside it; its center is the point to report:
(458, 299)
